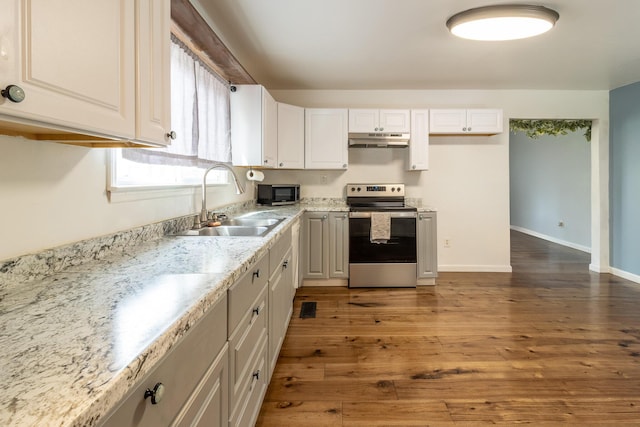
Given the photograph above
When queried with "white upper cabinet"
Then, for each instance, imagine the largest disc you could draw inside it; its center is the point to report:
(419, 144)
(75, 62)
(290, 136)
(153, 46)
(254, 126)
(326, 138)
(371, 120)
(483, 121)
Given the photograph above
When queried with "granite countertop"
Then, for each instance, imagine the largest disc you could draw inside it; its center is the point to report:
(74, 342)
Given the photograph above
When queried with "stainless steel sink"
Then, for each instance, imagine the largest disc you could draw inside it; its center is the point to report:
(253, 222)
(245, 227)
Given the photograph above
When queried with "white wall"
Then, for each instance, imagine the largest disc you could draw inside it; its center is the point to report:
(468, 180)
(54, 194)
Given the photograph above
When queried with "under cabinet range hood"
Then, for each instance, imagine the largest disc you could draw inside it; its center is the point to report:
(379, 139)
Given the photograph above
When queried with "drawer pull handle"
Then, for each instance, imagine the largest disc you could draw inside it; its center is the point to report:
(256, 311)
(256, 375)
(285, 264)
(256, 274)
(156, 394)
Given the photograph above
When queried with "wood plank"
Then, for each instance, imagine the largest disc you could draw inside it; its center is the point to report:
(396, 413)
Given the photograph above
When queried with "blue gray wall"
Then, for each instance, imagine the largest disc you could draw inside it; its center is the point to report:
(550, 183)
(625, 178)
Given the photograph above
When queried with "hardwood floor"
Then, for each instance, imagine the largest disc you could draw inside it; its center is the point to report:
(549, 344)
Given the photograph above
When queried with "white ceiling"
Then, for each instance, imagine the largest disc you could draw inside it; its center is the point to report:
(404, 44)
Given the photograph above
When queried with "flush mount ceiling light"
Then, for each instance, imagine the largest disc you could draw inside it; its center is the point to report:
(502, 22)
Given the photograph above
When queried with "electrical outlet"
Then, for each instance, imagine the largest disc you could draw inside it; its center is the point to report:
(447, 243)
(324, 179)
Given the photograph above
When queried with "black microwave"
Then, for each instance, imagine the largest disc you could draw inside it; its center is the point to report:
(278, 194)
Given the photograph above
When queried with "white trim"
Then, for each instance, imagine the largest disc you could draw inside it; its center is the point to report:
(475, 268)
(598, 268)
(625, 275)
(552, 239)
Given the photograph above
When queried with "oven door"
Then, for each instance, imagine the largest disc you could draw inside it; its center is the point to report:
(390, 264)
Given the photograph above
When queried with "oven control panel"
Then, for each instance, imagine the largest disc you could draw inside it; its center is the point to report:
(375, 190)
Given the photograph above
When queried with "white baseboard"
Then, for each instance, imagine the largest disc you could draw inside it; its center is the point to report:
(552, 239)
(625, 274)
(475, 268)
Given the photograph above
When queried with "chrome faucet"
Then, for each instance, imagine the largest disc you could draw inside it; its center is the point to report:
(239, 189)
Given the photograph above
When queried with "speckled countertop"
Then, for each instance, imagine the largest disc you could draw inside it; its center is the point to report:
(73, 342)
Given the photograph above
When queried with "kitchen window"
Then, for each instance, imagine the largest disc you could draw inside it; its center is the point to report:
(200, 118)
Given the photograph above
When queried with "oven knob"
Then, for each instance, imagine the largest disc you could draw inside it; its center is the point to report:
(398, 189)
(358, 188)
(393, 189)
(353, 189)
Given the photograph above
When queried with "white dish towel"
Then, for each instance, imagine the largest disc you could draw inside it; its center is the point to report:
(380, 227)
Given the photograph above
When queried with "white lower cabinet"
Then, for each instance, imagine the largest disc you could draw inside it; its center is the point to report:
(193, 376)
(280, 295)
(218, 374)
(427, 246)
(325, 250)
(248, 329)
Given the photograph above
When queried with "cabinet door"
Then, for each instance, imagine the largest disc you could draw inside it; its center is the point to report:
(326, 139)
(75, 61)
(484, 121)
(395, 121)
(209, 404)
(427, 247)
(339, 245)
(364, 120)
(254, 126)
(153, 45)
(280, 309)
(419, 145)
(269, 130)
(448, 121)
(315, 238)
(290, 136)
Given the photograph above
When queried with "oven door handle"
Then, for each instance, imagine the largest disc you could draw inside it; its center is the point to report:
(391, 214)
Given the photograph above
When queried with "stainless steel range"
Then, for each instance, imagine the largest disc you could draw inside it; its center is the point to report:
(382, 236)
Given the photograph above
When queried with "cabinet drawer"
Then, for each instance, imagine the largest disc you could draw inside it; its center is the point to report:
(250, 400)
(245, 291)
(244, 345)
(278, 251)
(180, 371)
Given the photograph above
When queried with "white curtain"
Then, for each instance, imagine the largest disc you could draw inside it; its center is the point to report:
(199, 116)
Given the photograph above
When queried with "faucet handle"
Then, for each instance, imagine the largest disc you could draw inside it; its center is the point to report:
(196, 222)
(221, 217)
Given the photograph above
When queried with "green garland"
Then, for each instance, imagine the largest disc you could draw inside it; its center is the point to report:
(535, 128)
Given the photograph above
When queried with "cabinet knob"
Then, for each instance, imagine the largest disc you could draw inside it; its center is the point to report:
(420, 217)
(281, 164)
(413, 166)
(376, 129)
(344, 166)
(381, 129)
(256, 375)
(468, 129)
(285, 264)
(256, 274)
(13, 93)
(256, 311)
(464, 129)
(156, 394)
(266, 162)
(172, 135)
(324, 217)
